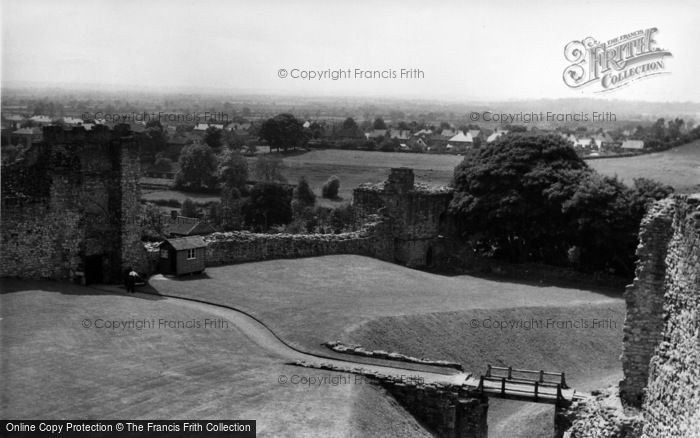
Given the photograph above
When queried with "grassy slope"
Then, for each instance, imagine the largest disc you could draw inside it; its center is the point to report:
(309, 301)
(382, 305)
(52, 367)
(584, 353)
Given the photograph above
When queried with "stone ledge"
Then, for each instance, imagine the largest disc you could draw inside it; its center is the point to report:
(357, 350)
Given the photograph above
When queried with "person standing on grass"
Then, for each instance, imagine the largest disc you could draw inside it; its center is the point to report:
(131, 281)
(126, 278)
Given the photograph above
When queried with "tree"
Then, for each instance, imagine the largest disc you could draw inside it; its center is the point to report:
(349, 129)
(269, 204)
(316, 130)
(304, 194)
(269, 169)
(284, 131)
(508, 197)
(341, 218)
(213, 137)
(379, 123)
(189, 208)
(197, 167)
(163, 163)
(389, 145)
(530, 198)
(602, 227)
(152, 223)
(231, 208)
(233, 170)
(331, 187)
(644, 192)
(349, 123)
(233, 141)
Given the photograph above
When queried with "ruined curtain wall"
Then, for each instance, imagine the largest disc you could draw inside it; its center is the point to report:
(239, 247)
(663, 321)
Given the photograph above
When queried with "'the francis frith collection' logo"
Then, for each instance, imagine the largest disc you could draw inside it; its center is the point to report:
(614, 63)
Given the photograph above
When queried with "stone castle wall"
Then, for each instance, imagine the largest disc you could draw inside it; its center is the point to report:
(241, 246)
(661, 348)
(417, 213)
(645, 298)
(75, 198)
(446, 410)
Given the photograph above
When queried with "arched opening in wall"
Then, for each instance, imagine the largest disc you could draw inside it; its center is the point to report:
(429, 257)
(93, 269)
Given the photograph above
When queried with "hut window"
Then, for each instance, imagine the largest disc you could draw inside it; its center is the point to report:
(164, 253)
(190, 254)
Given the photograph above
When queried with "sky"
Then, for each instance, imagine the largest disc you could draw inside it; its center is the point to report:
(477, 51)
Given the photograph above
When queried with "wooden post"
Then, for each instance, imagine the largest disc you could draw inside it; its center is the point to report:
(537, 390)
(541, 375)
(563, 381)
(488, 370)
(510, 373)
(481, 384)
(503, 386)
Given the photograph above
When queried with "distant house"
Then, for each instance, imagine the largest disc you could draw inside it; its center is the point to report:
(26, 136)
(448, 133)
(204, 126)
(495, 136)
(460, 142)
(239, 127)
(400, 134)
(423, 132)
(41, 120)
(603, 141)
(181, 226)
(633, 144)
(583, 143)
(184, 255)
(72, 121)
(11, 121)
(376, 133)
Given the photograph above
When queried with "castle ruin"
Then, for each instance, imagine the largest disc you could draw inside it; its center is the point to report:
(417, 214)
(70, 207)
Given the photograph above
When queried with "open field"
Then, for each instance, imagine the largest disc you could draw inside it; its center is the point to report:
(165, 194)
(55, 368)
(357, 167)
(678, 167)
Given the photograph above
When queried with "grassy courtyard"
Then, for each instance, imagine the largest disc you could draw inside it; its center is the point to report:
(53, 367)
(384, 306)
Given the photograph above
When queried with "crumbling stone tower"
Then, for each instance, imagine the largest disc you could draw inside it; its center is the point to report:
(416, 214)
(70, 209)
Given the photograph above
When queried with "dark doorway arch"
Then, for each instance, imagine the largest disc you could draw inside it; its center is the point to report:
(93, 269)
